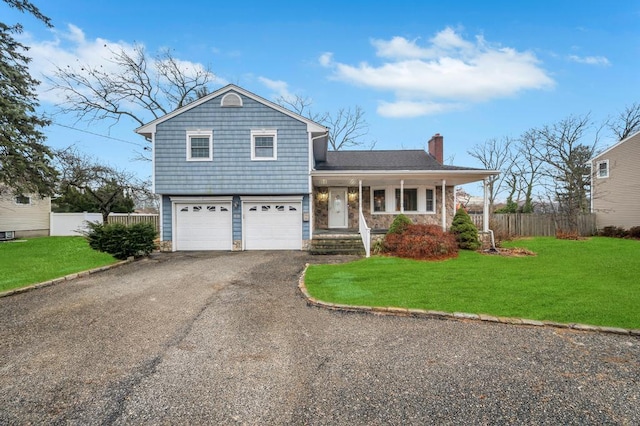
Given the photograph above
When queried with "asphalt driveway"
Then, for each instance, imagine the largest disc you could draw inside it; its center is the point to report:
(226, 338)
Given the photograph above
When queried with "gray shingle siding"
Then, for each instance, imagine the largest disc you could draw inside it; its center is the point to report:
(231, 171)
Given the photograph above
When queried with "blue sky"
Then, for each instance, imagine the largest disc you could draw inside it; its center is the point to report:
(468, 70)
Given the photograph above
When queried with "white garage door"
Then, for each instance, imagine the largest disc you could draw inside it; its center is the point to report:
(203, 226)
(273, 225)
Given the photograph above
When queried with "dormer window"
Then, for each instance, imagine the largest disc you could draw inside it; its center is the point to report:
(232, 100)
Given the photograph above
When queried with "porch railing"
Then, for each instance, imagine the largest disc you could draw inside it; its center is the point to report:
(365, 234)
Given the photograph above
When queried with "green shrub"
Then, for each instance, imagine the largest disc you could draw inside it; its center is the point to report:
(122, 241)
(423, 242)
(465, 231)
(399, 224)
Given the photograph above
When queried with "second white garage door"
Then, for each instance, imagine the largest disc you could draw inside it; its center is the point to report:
(272, 225)
(203, 226)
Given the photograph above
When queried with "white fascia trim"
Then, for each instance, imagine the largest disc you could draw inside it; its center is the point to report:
(271, 198)
(204, 199)
(150, 127)
(393, 173)
(153, 164)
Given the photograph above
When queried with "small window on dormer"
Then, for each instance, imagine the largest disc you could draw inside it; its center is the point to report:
(231, 100)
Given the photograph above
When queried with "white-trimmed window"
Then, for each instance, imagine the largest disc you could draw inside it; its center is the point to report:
(409, 199)
(379, 202)
(264, 145)
(430, 200)
(415, 200)
(199, 145)
(23, 200)
(603, 169)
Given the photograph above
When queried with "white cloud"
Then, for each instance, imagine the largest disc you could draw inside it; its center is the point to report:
(590, 60)
(408, 109)
(448, 70)
(279, 87)
(326, 59)
(70, 48)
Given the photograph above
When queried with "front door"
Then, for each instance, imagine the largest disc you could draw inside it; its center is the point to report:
(338, 214)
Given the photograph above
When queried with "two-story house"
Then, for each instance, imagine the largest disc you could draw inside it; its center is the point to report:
(238, 172)
(615, 186)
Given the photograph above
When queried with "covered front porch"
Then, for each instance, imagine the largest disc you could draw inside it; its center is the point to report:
(367, 203)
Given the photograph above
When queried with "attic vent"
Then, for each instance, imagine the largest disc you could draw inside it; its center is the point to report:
(231, 100)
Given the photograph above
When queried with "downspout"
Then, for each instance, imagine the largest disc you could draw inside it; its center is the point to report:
(485, 216)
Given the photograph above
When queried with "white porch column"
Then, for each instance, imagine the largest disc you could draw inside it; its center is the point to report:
(401, 196)
(360, 197)
(444, 205)
(485, 207)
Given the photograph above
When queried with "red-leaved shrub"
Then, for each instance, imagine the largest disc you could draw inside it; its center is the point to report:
(422, 242)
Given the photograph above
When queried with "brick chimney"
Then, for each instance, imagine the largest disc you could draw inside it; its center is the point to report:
(436, 149)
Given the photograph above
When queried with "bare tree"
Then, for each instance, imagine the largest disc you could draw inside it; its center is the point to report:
(102, 183)
(138, 87)
(347, 126)
(495, 154)
(528, 166)
(566, 158)
(626, 122)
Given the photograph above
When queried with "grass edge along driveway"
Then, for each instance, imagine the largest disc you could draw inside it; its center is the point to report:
(35, 260)
(593, 281)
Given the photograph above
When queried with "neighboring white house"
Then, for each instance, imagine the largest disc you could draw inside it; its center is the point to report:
(23, 215)
(616, 184)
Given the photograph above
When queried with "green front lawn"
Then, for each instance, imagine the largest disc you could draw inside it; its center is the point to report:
(594, 281)
(35, 260)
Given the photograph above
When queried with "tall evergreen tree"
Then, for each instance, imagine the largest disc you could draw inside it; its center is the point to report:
(25, 161)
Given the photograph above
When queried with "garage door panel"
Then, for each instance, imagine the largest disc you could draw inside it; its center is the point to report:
(203, 226)
(273, 225)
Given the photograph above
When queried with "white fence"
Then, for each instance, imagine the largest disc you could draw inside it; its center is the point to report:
(65, 224)
(73, 224)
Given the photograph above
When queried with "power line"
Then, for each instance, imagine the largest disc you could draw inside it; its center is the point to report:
(102, 136)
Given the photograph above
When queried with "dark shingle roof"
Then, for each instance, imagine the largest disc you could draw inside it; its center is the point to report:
(414, 159)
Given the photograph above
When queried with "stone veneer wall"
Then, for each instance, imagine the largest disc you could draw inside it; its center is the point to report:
(321, 208)
(379, 221)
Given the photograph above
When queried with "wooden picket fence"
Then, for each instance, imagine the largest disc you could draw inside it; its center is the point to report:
(535, 225)
(131, 218)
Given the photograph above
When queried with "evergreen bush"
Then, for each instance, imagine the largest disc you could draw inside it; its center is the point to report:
(399, 224)
(122, 241)
(465, 231)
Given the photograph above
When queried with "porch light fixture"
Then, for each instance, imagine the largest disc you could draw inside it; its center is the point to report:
(353, 195)
(323, 194)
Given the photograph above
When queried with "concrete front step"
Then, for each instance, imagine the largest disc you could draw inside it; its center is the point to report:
(337, 245)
